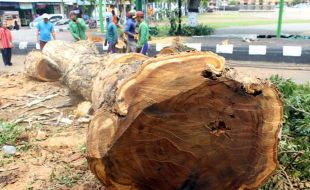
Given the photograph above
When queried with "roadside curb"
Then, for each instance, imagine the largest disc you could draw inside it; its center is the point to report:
(288, 54)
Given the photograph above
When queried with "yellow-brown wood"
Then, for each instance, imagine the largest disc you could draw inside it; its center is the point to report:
(41, 67)
(179, 121)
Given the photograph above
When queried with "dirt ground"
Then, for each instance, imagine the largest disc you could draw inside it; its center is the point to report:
(51, 149)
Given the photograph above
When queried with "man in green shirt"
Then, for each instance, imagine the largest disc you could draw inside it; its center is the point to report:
(142, 45)
(77, 27)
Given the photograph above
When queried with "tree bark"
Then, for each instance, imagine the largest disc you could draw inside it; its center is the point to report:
(179, 121)
(175, 48)
(193, 5)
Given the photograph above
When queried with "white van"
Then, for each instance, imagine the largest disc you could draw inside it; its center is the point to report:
(53, 18)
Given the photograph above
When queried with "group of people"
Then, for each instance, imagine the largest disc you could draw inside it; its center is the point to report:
(45, 29)
(136, 41)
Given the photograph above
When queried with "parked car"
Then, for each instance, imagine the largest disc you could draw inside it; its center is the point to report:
(64, 21)
(53, 18)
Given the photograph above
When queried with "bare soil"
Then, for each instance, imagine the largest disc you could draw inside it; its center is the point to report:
(51, 150)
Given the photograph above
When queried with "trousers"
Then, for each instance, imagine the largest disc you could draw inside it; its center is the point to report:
(111, 48)
(6, 56)
(143, 49)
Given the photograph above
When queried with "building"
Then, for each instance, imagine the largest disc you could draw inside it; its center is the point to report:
(29, 9)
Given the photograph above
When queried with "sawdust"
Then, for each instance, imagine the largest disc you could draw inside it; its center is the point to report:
(56, 161)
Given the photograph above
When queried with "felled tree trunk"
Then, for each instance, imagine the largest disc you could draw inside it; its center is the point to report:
(175, 48)
(77, 64)
(177, 121)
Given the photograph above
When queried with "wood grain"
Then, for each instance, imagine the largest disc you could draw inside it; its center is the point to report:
(177, 121)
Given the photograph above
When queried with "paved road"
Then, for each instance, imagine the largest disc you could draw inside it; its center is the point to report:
(29, 35)
(303, 29)
(299, 73)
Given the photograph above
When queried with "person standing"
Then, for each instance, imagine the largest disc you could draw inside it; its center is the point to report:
(45, 29)
(78, 10)
(130, 30)
(143, 34)
(77, 27)
(150, 12)
(6, 44)
(111, 35)
(114, 18)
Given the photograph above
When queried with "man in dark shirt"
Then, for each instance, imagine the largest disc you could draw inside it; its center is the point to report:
(130, 31)
(78, 10)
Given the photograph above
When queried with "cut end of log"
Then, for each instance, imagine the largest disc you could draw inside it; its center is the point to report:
(188, 123)
(163, 77)
(41, 67)
(47, 71)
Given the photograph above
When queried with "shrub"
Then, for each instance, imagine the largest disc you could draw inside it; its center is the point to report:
(199, 30)
(153, 31)
(294, 149)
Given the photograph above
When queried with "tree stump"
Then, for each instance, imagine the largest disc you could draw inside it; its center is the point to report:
(180, 121)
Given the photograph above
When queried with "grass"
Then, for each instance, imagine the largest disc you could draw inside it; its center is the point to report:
(223, 20)
(82, 148)
(252, 23)
(230, 19)
(9, 132)
(66, 176)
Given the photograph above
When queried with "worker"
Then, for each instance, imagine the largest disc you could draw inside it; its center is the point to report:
(150, 12)
(78, 10)
(45, 29)
(6, 44)
(130, 30)
(111, 35)
(143, 34)
(114, 18)
(77, 27)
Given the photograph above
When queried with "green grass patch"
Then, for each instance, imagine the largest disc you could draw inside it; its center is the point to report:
(251, 23)
(231, 19)
(9, 132)
(163, 30)
(65, 176)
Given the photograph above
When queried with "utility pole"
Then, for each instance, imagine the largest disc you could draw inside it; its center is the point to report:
(145, 11)
(101, 17)
(279, 31)
(138, 5)
(180, 15)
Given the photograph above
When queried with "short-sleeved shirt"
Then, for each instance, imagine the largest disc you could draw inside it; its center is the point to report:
(5, 38)
(131, 28)
(143, 34)
(78, 11)
(45, 31)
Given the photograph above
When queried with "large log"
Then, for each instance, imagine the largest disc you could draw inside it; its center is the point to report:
(179, 121)
(175, 48)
